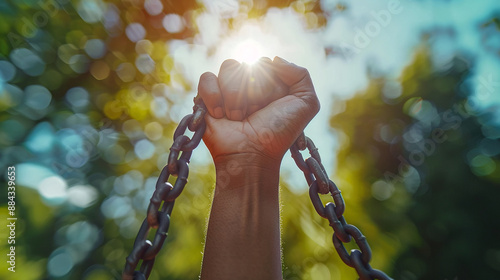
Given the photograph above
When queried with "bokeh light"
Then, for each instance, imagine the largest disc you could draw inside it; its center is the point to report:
(91, 92)
(7, 71)
(135, 32)
(60, 264)
(29, 62)
(54, 189)
(173, 23)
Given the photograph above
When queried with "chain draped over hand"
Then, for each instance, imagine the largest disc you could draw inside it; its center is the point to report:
(158, 215)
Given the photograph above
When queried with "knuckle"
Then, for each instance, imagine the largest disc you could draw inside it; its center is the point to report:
(229, 87)
(207, 76)
(229, 64)
(316, 104)
(231, 94)
(210, 93)
(208, 85)
(303, 72)
(265, 60)
(312, 103)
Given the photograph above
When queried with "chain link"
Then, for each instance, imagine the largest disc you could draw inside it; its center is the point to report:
(158, 214)
(343, 232)
(163, 199)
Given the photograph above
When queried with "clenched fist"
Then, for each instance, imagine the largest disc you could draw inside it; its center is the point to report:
(256, 110)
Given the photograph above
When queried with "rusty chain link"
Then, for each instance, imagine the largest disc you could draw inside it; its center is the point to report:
(314, 172)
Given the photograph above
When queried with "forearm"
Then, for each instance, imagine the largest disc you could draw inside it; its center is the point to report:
(243, 237)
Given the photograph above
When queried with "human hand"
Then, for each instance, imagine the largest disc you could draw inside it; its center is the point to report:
(254, 115)
(256, 110)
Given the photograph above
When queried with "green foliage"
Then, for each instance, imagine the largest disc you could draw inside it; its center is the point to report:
(426, 152)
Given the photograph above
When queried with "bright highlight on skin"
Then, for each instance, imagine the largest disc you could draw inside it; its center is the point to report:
(248, 51)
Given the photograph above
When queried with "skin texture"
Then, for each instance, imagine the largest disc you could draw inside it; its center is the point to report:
(255, 114)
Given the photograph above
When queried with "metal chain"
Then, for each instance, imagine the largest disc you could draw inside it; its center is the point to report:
(319, 183)
(158, 215)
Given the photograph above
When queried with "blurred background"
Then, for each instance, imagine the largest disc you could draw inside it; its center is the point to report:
(91, 91)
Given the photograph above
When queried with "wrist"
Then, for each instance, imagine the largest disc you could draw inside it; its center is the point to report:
(244, 223)
(246, 169)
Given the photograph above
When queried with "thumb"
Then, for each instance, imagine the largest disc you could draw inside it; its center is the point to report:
(298, 81)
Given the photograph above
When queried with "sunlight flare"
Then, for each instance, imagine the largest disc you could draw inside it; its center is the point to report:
(249, 43)
(248, 51)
